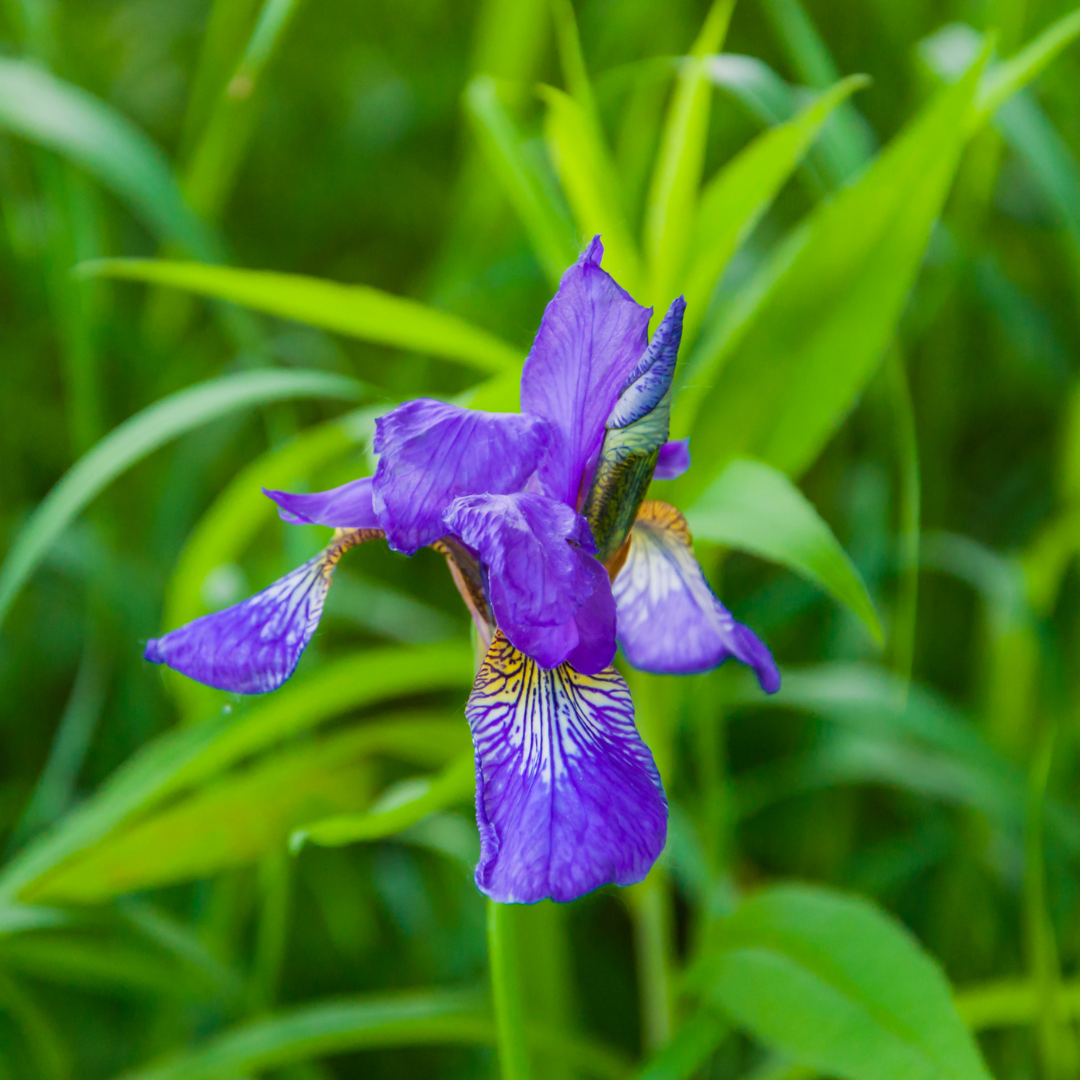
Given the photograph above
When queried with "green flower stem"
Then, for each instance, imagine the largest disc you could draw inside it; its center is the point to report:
(902, 638)
(650, 909)
(655, 704)
(506, 993)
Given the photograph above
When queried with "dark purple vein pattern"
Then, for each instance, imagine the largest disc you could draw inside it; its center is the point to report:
(568, 797)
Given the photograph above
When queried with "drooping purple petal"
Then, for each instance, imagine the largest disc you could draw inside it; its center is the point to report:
(674, 460)
(568, 797)
(591, 336)
(432, 453)
(345, 507)
(595, 621)
(254, 646)
(670, 621)
(540, 572)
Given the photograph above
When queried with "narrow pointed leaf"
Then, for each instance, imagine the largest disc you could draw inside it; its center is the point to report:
(188, 756)
(672, 202)
(355, 310)
(405, 805)
(139, 436)
(553, 238)
(39, 107)
(733, 202)
(779, 385)
(754, 507)
(591, 184)
(261, 804)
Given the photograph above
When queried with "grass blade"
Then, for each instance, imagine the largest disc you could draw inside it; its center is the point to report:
(263, 804)
(139, 436)
(552, 236)
(829, 306)
(64, 118)
(188, 756)
(212, 171)
(356, 310)
(404, 805)
(419, 1018)
(733, 202)
(591, 183)
(673, 196)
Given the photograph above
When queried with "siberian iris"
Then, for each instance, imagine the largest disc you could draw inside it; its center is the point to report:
(542, 519)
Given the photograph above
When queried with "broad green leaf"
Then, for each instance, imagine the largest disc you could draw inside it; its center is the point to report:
(187, 756)
(403, 805)
(672, 202)
(356, 310)
(139, 436)
(261, 805)
(835, 984)
(754, 507)
(45, 110)
(552, 236)
(779, 384)
(591, 184)
(688, 1050)
(733, 202)
(419, 1018)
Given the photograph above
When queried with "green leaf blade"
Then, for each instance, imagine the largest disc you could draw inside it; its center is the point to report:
(68, 120)
(781, 386)
(754, 507)
(833, 983)
(355, 310)
(139, 436)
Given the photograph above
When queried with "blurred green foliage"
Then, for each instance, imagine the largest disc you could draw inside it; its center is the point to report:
(287, 216)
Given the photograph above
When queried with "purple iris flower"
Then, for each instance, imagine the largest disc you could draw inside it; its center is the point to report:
(542, 518)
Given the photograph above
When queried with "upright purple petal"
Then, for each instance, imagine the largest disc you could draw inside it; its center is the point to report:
(536, 552)
(670, 621)
(254, 646)
(673, 461)
(432, 453)
(345, 507)
(567, 795)
(592, 335)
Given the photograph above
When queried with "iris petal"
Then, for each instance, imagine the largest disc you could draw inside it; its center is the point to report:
(592, 335)
(432, 453)
(673, 461)
(540, 573)
(670, 621)
(568, 797)
(254, 646)
(345, 507)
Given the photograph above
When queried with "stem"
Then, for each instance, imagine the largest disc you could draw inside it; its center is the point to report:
(506, 993)
(904, 615)
(651, 910)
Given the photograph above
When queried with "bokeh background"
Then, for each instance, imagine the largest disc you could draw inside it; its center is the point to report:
(159, 913)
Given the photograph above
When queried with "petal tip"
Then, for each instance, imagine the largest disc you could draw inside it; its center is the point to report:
(153, 652)
(593, 253)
